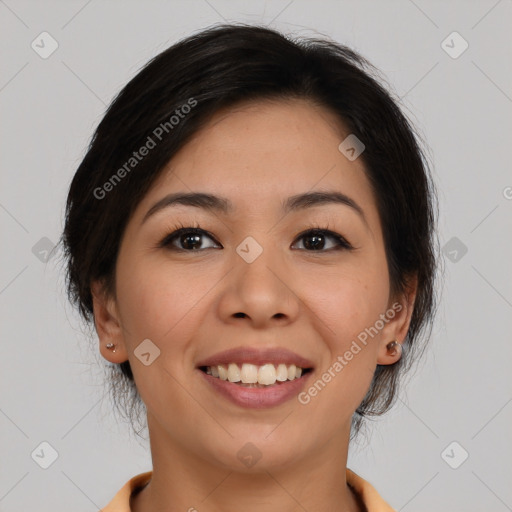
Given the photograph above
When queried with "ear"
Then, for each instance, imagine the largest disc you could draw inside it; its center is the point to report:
(399, 314)
(108, 327)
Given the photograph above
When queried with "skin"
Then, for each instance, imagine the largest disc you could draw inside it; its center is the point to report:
(312, 302)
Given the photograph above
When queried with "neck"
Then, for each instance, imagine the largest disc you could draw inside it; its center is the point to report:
(182, 480)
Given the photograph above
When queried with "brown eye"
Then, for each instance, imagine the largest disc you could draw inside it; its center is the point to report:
(187, 239)
(192, 240)
(318, 240)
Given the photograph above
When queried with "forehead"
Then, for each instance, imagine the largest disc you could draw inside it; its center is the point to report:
(262, 152)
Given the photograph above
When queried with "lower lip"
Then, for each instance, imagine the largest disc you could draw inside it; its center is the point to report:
(257, 398)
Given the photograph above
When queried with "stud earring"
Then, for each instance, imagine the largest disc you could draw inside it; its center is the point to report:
(111, 346)
(393, 347)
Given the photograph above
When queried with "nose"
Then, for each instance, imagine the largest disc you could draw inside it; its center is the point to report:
(259, 293)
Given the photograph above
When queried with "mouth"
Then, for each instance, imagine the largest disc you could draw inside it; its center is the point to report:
(256, 376)
(255, 387)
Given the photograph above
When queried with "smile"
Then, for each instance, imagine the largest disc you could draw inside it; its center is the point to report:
(256, 395)
(252, 375)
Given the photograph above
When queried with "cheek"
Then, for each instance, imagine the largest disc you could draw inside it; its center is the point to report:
(161, 306)
(349, 300)
(157, 303)
(345, 305)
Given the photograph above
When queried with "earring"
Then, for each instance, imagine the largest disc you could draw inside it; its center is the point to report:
(110, 346)
(393, 347)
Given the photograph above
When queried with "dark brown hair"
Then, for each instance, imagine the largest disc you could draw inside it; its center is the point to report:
(180, 89)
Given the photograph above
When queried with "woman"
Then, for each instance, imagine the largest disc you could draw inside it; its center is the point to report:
(252, 233)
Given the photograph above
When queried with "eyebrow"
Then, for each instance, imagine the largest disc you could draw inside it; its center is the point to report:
(223, 205)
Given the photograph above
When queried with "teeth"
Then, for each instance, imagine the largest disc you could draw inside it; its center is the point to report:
(249, 373)
(266, 374)
(233, 373)
(223, 372)
(282, 373)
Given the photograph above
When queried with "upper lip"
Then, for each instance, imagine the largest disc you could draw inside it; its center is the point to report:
(257, 357)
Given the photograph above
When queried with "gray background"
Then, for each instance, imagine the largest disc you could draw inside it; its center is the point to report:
(51, 379)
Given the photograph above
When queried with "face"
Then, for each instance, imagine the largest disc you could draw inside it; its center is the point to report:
(310, 278)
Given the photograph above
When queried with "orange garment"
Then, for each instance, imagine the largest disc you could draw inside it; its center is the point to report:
(369, 496)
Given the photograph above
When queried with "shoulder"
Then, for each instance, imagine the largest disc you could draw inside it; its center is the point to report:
(368, 494)
(121, 501)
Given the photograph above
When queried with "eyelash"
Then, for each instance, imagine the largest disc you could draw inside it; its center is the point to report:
(179, 229)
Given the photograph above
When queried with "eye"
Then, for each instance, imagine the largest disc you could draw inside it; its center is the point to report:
(190, 239)
(317, 239)
(187, 239)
